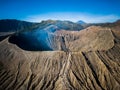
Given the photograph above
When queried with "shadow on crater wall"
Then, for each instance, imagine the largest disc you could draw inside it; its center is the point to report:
(31, 41)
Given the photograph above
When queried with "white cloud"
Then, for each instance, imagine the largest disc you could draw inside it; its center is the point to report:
(89, 18)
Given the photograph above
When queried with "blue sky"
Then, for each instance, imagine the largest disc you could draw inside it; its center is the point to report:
(74, 10)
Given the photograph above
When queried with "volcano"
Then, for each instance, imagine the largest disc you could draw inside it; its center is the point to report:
(54, 55)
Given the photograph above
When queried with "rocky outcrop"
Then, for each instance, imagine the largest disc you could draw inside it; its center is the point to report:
(87, 60)
(90, 39)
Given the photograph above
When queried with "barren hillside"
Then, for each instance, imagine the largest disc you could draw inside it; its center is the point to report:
(80, 60)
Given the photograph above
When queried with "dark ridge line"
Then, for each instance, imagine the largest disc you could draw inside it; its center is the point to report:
(78, 78)
(107, 66)
(6, 77)
(70, 83)
(2, 73)
(22, 83)
(7, 82)
(16, 77)
(30, 81)
(43, 88)
(3, 76)
(93, 71)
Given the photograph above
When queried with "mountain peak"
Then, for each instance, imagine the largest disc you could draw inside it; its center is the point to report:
(81, 22)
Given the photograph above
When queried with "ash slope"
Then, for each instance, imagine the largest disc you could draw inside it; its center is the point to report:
(93, 63)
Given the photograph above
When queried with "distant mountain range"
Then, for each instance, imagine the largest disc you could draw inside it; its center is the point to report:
(12, 25)
(66, 25)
